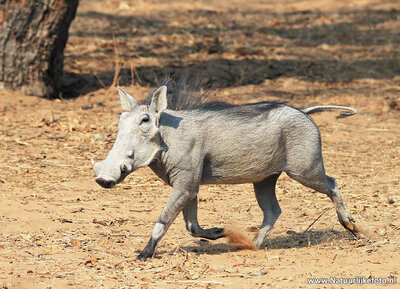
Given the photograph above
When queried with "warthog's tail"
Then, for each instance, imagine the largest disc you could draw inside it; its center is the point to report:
(319, 108)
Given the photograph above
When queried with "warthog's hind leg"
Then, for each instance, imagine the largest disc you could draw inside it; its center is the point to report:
(344, 218)
(192, 224)
(327, 185)
(266, 198)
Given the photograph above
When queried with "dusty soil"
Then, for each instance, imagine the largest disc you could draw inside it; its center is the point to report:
(59, 229)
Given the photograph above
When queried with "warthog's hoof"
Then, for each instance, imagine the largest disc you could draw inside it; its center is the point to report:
(216, 233)
(210, 234)
(352, 228)
(143, 256)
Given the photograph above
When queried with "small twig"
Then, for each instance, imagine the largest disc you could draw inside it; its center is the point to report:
(202, 272)
(323, 212)
(56, 137)
(137, 76)
(53, 118)
(117, 64)
(99, 80)
(132, 74)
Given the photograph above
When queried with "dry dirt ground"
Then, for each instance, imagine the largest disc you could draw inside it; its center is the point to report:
(59, 229)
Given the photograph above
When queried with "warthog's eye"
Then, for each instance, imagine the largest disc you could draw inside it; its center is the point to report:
(145, 119)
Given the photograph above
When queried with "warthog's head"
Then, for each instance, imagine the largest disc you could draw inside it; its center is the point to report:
(138, 139)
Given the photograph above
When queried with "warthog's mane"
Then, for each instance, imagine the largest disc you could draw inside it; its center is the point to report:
(189, 94)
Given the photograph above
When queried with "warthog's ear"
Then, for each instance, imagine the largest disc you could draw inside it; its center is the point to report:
(159, 100)
(127, 101)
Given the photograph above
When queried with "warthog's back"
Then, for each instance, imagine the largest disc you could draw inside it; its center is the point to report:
(235, 144)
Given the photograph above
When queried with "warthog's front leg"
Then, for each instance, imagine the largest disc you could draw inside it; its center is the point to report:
(192, 224)
(176, 202)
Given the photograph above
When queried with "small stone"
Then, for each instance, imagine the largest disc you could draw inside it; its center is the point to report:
(259, 273)
(386, 108)
(98, 136)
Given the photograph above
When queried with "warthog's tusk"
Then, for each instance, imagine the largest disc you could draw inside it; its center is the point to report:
(123, 168)
(93, 162)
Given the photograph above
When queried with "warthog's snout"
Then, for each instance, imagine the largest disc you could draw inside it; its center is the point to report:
(108, 175)
(106, 183)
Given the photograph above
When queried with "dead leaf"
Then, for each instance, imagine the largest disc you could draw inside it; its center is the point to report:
(77, 210)
(146, 279)
(21, 142)
(104, 240)
(27, 237)
(75, 242)
(102, 222)
(108, 223)
(63, 220)
(90, 263)
(40, 242)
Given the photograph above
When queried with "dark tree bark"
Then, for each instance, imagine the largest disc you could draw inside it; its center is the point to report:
(32, 40)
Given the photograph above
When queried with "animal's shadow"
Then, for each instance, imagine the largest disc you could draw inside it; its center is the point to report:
(310, 238)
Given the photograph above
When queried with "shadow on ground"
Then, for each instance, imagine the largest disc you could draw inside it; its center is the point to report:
(350, 30)
(342, 32)
(310, 238)
(227, 73)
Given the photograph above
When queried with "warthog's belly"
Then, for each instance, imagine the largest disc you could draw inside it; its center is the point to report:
(244, 170)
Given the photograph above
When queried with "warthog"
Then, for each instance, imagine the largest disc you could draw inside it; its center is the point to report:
(188, 142)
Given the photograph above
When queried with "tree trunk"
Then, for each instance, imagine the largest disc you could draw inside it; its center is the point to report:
(32, 41)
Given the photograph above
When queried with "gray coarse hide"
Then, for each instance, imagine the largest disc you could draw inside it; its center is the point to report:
(218, 143)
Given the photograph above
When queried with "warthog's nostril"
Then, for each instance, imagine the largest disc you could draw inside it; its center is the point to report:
(104, 183)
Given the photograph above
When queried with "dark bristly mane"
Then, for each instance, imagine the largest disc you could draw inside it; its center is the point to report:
(188, 93)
